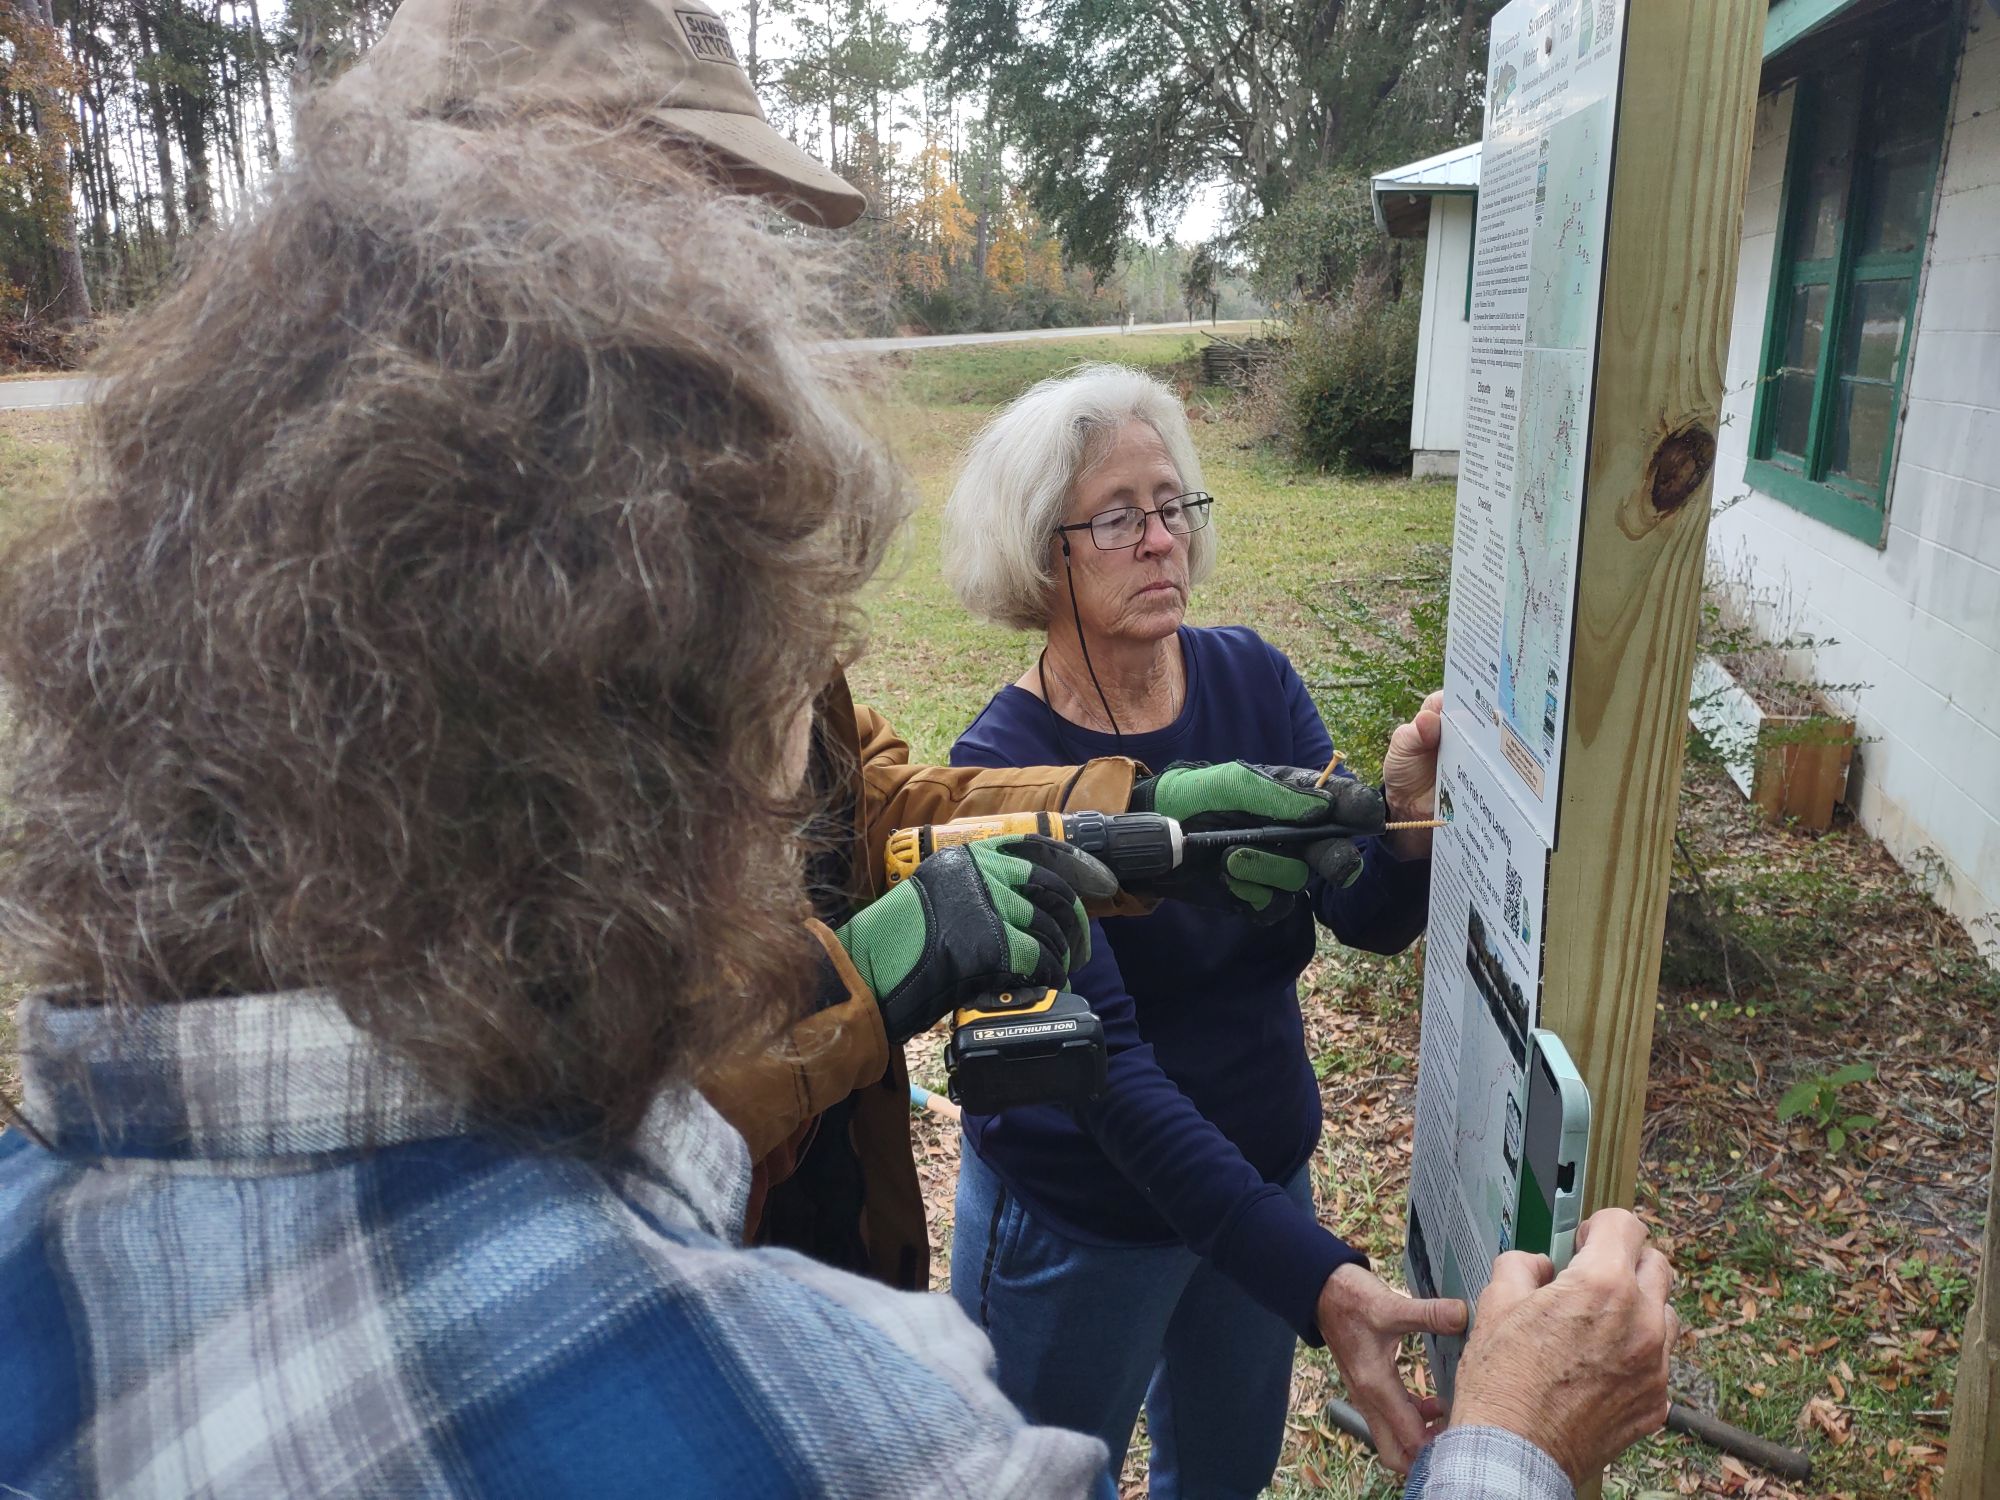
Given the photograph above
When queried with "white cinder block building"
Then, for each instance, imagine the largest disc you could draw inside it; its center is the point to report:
(1858, 473)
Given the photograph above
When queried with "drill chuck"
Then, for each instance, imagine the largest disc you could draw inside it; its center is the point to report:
(1134, 846)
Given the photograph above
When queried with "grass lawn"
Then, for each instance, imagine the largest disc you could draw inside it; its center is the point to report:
(34, 460)
(1823, 1290)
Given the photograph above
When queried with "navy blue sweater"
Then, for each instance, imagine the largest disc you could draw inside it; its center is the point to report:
(1212, 1101)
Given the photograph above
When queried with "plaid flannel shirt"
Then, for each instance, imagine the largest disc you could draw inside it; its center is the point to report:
(1486, 1463)
(259, 1257)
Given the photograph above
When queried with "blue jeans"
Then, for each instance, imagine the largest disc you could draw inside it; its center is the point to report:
(1084, 1333)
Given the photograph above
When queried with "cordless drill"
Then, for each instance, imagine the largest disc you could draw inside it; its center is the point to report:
(1046, 1046)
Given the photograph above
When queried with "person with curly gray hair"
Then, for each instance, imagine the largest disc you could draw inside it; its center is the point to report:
(409, 722)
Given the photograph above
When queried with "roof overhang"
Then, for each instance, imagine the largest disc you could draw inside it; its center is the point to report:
(1792, 21)
(1406, 213)
(1801, 35)
(1402, 196)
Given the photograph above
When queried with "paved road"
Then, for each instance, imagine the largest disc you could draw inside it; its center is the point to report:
(16, 395)
(1022, 335)
(20, 394)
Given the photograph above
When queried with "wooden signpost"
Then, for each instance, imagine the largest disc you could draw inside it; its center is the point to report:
(1972, 1463)
(1679, 174)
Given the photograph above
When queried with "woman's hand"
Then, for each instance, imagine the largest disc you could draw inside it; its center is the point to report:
(1409, 776)
(1364, 1321)
(1262, 882)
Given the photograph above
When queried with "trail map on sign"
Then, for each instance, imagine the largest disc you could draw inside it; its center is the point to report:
(1567, 247)
(1537, 278)
(1548, 497)
(1544, 194)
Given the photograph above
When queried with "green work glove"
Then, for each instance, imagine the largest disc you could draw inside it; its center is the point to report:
(998, 914)
(1262, 883)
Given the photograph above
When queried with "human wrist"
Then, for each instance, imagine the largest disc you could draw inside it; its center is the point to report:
(1344, 1292)
(836, 978)
(1407, 843)
(878, 943)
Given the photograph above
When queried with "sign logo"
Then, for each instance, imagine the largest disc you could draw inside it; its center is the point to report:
(708, 37)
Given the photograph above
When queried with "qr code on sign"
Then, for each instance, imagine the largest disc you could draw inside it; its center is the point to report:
(1510, 911)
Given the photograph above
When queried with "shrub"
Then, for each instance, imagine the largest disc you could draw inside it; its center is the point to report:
(1383, 653)
(1344, 389)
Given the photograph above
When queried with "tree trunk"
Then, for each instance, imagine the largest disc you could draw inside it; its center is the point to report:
(107, 166)
(200, 197)
(982, 225)
(1461, 59)
(832, 118)
(156, 106)
(270, 139)
(46, 106)
(91, 161)
(192, 113)
(232, 112)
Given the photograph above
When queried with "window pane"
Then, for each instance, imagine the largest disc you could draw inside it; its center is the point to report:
(1873, 337)
(1829, 165)
(1905, 127)
(1899, 198)
(1805, 331)
(1788, 433)
(1863, 419)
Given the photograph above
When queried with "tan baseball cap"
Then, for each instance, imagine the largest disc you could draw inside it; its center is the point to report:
(668, 60)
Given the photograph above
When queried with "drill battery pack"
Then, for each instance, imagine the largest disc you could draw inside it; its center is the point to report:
(1021, 1048)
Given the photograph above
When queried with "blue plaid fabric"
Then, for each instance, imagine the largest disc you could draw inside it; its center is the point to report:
(1486, 1463)
(255, 1256)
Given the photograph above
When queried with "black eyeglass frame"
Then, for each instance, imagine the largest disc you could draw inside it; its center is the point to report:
(1194, 502)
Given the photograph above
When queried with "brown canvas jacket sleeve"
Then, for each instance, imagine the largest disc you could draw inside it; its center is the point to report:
(770, 1095)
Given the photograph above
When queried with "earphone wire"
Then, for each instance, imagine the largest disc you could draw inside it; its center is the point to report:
(1084, 646)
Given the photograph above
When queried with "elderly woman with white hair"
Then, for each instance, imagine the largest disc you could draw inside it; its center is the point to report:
(1160, 1244)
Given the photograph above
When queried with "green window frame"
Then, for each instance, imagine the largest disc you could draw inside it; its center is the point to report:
(1867, 134)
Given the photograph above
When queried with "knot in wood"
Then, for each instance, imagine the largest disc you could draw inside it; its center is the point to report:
(1680, 463)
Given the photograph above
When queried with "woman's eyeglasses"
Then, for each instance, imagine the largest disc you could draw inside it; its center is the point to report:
(1125, 526)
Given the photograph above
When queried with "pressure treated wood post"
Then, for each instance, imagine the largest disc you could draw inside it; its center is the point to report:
(1972, 1464)
(1680, 166)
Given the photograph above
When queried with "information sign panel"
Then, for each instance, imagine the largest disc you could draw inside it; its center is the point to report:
(1545, 189)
